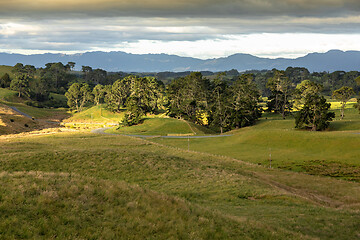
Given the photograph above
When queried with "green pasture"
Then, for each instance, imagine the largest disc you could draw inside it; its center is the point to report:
(333, 153)
(82, 185)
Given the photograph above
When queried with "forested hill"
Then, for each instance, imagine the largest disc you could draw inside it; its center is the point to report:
(119, 61)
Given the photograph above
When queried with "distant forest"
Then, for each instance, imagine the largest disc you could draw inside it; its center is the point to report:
(57, 78)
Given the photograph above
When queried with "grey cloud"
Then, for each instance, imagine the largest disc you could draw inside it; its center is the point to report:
(87, 34)
(179, 8)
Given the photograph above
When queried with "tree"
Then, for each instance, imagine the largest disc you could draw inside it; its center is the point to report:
(343, 95)
(314, 114)
(118, 93)
(219, 105)
(141, 95)
(57, 75)
(134, 113)
(5, 81)
(21, 85)
(28, 70)
(244, 98)
(188, 96)
(305, 89)
(280, 87)
(70, 65)
(39, 90)
(78, 95)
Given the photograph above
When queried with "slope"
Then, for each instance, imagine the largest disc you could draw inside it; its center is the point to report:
(74, 183)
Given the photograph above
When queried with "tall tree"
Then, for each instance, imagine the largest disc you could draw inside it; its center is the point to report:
(244, 99)
(220, 110)
(280, 87)
(343, 95)
(315, 111)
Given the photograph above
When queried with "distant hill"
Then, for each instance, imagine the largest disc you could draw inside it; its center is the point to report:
(120, 61)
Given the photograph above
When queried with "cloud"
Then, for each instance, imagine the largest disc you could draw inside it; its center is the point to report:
(192, 25)
(179, 8)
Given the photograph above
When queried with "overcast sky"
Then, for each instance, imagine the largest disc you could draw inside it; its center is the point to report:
(196, 28)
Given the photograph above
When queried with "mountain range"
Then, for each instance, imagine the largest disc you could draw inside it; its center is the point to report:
(330, 61)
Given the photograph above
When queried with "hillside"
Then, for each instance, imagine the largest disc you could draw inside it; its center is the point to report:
(332, 153)
(13, 122)
(87, 185)
(6, 69)
(17, 117)
(120, 61)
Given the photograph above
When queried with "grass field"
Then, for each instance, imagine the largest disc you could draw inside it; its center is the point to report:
(89, 186)
(83, 185)
(334, 153)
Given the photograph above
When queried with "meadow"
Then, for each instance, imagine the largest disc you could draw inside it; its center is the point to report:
(88, 186)
(333, 153)
(84, 185)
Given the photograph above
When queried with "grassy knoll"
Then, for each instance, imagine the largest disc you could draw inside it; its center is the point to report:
(163, 126)
(96, 114)
(329, 153)
(82, 185)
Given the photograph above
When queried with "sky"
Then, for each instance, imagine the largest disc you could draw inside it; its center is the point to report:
(196, 28)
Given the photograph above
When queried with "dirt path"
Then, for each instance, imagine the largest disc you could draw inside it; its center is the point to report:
(20, 112)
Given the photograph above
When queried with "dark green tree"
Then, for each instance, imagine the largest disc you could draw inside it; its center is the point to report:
(281, 94)
(5, 81)
(143, 98)
(315, 111)
(244, 98)
(40, 90)
(220, 109)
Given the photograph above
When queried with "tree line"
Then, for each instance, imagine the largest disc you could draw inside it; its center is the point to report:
(223, 101)
(195, 98)
(219, 104)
